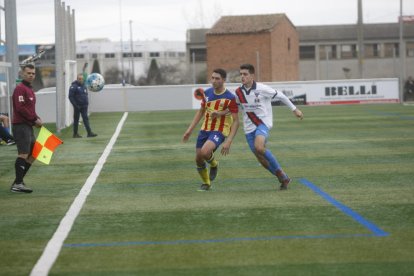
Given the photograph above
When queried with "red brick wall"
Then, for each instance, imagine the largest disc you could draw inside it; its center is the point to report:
(276, 63)
(285, 58)
(230, 51)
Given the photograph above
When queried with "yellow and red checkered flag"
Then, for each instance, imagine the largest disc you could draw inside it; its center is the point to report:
(45, 145)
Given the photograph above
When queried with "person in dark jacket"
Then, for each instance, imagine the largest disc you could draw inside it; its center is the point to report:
(24, 118)
(78, 96)
(409, 88)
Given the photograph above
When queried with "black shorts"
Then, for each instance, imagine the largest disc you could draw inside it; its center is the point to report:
(24, 137)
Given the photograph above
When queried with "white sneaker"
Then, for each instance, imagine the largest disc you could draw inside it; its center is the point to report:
(20, 188)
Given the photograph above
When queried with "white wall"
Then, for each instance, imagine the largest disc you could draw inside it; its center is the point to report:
(180, 97)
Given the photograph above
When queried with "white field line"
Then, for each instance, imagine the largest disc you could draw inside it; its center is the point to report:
(53, 247)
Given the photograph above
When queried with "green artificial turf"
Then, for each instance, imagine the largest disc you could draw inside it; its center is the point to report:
(144, 215)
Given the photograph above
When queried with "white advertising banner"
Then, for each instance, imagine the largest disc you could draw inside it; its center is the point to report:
(333, 92)
(342, 91)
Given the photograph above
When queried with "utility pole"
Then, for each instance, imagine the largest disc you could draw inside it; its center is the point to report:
(360, 41)
(132, 75)
(402, 53)
(121, 42)
(194, 67)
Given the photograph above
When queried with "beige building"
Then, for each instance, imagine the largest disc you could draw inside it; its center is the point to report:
(331, 51)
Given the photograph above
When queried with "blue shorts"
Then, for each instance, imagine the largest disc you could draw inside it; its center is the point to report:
(262, 130)
(215, 136)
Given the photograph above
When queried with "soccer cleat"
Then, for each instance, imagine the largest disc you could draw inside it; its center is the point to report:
(20, 188)
(213, 172)
(284, 185)
(283, 179)
(92, 134)
(76, 136)
(204, 187)
(10, 142)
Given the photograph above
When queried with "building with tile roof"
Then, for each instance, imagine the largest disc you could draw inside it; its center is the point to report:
(331, 51)
(270, 42)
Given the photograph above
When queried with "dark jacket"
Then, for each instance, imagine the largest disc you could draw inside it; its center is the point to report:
(409, 86)
(24, 103)
(78, 95)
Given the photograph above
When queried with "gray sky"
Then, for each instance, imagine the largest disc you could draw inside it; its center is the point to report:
(169, 19)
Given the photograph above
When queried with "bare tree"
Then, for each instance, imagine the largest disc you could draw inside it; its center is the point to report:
(201, 17)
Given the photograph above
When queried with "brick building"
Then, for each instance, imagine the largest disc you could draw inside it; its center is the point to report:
(270, 42)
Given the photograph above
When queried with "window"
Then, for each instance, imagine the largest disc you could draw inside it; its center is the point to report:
(327, 52)
(126, 55)
(307, 52)
(80, 56)
(109, 55)
(410, 49)
(200, 55)
(372, 50)
(348, 51)
(391, 50)
(172, 54)
(288, 46)
(94, 55)
(137, 54)
(154, 54)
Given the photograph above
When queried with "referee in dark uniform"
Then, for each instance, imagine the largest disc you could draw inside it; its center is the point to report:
(24, 118)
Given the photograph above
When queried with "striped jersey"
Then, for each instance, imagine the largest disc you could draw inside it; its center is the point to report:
(256, 104)
(218, 102)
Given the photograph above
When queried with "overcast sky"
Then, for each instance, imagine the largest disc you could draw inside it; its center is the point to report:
(169, 19)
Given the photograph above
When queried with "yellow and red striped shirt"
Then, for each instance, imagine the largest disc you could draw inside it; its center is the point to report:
(218, 102)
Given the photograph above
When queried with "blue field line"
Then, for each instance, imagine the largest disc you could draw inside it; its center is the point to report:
(345, 209)
(375, 230)
(392, 114)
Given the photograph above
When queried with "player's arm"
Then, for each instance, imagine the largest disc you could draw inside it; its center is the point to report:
(216, 114)
(296, 111)
(197, 117)
(225, 149)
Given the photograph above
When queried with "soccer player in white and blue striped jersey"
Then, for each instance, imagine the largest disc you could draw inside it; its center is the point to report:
(255, 101)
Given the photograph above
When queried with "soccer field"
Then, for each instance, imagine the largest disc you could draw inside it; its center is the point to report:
(348, 211)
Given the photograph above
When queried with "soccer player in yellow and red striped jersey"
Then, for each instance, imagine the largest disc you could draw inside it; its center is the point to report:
(221, 121)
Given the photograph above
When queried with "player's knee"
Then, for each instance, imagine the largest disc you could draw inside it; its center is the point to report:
(205, 154)
(23, 156)
(260, 150)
